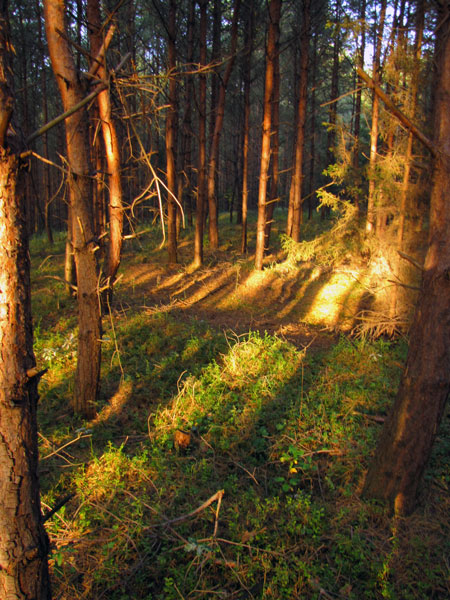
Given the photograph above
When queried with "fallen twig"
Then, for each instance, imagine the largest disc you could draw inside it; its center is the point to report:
(217, 496)
(49, 514)
(58, 450)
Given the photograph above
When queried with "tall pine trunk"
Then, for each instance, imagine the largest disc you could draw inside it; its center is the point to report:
(199, 215)
(275, 142)
(274, 20)
(112, 151)
(84, 245)
(408, 435)
(247, 69)
(215, 139)
(171, 137)
(23, 541)
(371, 202)
(297, 176)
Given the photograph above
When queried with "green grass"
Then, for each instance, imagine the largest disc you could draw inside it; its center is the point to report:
(286, 433)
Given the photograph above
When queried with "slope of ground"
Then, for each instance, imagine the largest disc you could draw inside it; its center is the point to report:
(233, 430)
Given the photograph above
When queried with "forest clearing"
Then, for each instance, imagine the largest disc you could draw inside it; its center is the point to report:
(224, 299)
(282, 424)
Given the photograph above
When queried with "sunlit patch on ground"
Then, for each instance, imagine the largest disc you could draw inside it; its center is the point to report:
(331, 301)
(117, 403)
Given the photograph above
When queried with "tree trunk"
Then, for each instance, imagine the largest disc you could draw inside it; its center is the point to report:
(275, 142)
(198, 240)
(408, 435)
(23, 541)
(274, 19)
(84, 245)
(371, 216)
(360, 62)
(218, 122)
(186, 166)
(297, 176)
(112, 151)
(171, 137)
(312, 133)
(247, 69)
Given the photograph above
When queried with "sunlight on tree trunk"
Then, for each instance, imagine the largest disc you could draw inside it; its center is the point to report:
(23, 541)
(407, 438)
(297, 176)
(273, 32)
(371, 216)
(198, 240)
(88, 363)
(112, 151)
(171, 137)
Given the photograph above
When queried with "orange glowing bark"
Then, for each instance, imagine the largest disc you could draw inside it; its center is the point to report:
(273, 32)
(408, 435)
(112, 151)
(84, 245)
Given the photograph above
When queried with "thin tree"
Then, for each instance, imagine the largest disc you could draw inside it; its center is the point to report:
(215, 139)
(201, 191)
(249, 30)
(112, 151)
(408, 435)
(273, 29)
(297, 176)
(23, 541)
(371, 216)
(171, 135)
(360, 61)
(275, 142)
(84, 245)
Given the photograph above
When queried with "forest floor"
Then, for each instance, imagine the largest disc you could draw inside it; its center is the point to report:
(236, 419)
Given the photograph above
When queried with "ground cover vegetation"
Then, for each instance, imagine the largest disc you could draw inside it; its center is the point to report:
(279, 436)
(236, 308)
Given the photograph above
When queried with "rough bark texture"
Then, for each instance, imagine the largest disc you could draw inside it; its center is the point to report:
(247, 67)
(23, 541)
(171, 137)
(198, 240)
(360, 62)
(407, 438)
(274, 19)
(112, 151)
(215, 139)
(275, 141)
(88, 364)
(297, 176)
(371, 216)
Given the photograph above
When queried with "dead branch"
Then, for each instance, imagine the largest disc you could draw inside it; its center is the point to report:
(102, 86)
(217, 496)
(410, 259)
(396, 111)
(49, 514)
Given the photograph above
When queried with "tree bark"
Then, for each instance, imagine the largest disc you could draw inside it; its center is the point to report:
(198, 240)
(186, 166)
(247, 69)
(112, 151)
(218, 123)
(84, 245)
(408, 435)
(274, 19)
(23, 541)
(371, 216)
(297, 176)
(171, 136)
(360, 63)
(275, 141)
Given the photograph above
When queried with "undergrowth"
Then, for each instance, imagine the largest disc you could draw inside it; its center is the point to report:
(263, 499)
